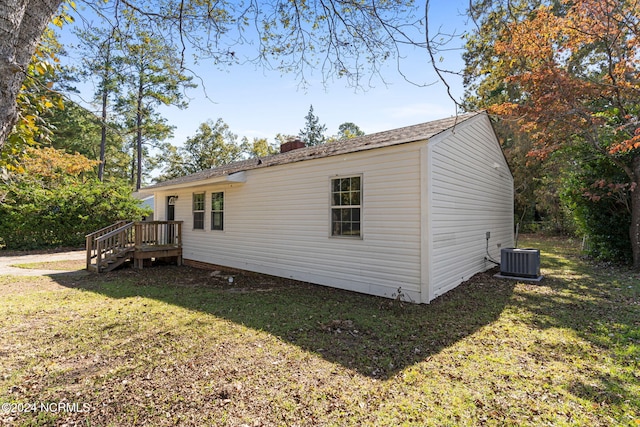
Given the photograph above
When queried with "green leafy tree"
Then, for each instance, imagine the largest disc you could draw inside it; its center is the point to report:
(56, 199)
(152, 74)
(258, 147)
(348, 130)
(50, 119)
(350, 40)
(313, 132)
(213, 145)
(282, 138)
(597, 193)
(75, 130)
(144, 130)
(101, 62)
(485, 82)
(35, 101)
(484, 74)
(78, 130)
(569, 78)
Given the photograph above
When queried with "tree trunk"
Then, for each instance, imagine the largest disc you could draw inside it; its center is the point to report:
(139, 134)
(21, 25)
(133, 163)
(103, 136)
(634, 229)
(139, 154)
(106, 88)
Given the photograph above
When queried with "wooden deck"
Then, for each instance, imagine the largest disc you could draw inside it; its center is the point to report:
(140, 241)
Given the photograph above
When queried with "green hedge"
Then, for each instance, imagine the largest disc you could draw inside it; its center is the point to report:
(32, 216)
(604, 219)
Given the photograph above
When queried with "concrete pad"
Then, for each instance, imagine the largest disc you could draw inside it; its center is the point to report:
(522, 279)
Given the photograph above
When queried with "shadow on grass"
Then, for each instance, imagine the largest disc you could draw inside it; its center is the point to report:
(600, 305)
(374, 336)
(600, 318)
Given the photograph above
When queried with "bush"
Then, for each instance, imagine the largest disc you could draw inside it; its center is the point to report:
(36, 216)
(599, 200)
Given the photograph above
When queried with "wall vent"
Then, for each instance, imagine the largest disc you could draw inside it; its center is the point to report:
(520, 262)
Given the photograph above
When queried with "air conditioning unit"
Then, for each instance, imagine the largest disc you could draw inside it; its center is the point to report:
(520, 262)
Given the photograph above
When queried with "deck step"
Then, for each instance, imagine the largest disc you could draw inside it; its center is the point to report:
(116, 260)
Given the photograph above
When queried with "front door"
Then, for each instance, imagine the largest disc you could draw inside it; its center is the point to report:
(171, 216)
(171, 208)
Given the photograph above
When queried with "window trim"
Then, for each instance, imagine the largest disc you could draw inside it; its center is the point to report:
(221, 211)
(203, 210)
(360, 236)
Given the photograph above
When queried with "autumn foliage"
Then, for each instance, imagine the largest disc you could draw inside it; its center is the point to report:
(578, 73)
(35, 99)
(575, 66)
(51, 164)
(54, 199)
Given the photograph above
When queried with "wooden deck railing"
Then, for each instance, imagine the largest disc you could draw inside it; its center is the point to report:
(158, 233)
(113, 245)
(91, 240)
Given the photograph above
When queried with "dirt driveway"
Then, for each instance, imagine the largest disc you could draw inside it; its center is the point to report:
(7, 261)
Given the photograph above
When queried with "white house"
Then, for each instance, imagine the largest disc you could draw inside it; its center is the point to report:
(413, 211)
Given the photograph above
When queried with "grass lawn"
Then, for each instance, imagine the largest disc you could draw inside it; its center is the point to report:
(54, 265)
(179, 346)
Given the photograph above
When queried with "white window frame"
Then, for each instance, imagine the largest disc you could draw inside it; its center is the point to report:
(202, 211)
(214, 211)
(333, 207)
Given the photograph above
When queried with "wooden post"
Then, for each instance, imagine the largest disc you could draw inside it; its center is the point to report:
(137, 236)
(89, 245)
(99, 256)
(179, 259)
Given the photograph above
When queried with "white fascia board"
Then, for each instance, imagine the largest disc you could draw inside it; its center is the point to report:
(237, 177)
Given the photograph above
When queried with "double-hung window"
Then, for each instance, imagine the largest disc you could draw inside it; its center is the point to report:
(217, 211)
(346, 206)
(198, 211)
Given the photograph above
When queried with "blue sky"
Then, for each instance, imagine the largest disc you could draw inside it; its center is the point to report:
(260, 103)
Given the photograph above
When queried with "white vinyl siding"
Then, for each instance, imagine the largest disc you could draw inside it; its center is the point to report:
(276, 223)
(471, 194)
(425, 209)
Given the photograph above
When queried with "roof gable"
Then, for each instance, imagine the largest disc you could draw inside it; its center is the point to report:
(419, 132)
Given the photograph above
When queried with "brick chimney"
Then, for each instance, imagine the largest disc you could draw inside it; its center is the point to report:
(293, 144)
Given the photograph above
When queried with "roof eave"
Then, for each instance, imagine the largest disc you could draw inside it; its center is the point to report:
(237, 177)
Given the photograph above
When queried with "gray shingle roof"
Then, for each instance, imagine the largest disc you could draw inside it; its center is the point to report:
(388, 138)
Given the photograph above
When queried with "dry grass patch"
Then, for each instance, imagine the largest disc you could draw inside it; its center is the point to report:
(179, 346)
(64, 265)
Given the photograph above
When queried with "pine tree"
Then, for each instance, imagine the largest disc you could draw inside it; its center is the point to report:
(153, 78)
(313, 132)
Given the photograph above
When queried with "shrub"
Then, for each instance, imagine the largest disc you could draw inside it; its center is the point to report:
(598, 197)
(33, 216)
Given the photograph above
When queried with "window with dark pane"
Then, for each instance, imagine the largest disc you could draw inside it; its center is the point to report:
(198, 211)
(346, 195)
(217, 211)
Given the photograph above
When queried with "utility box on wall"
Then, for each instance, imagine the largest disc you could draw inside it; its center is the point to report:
(521, 263)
